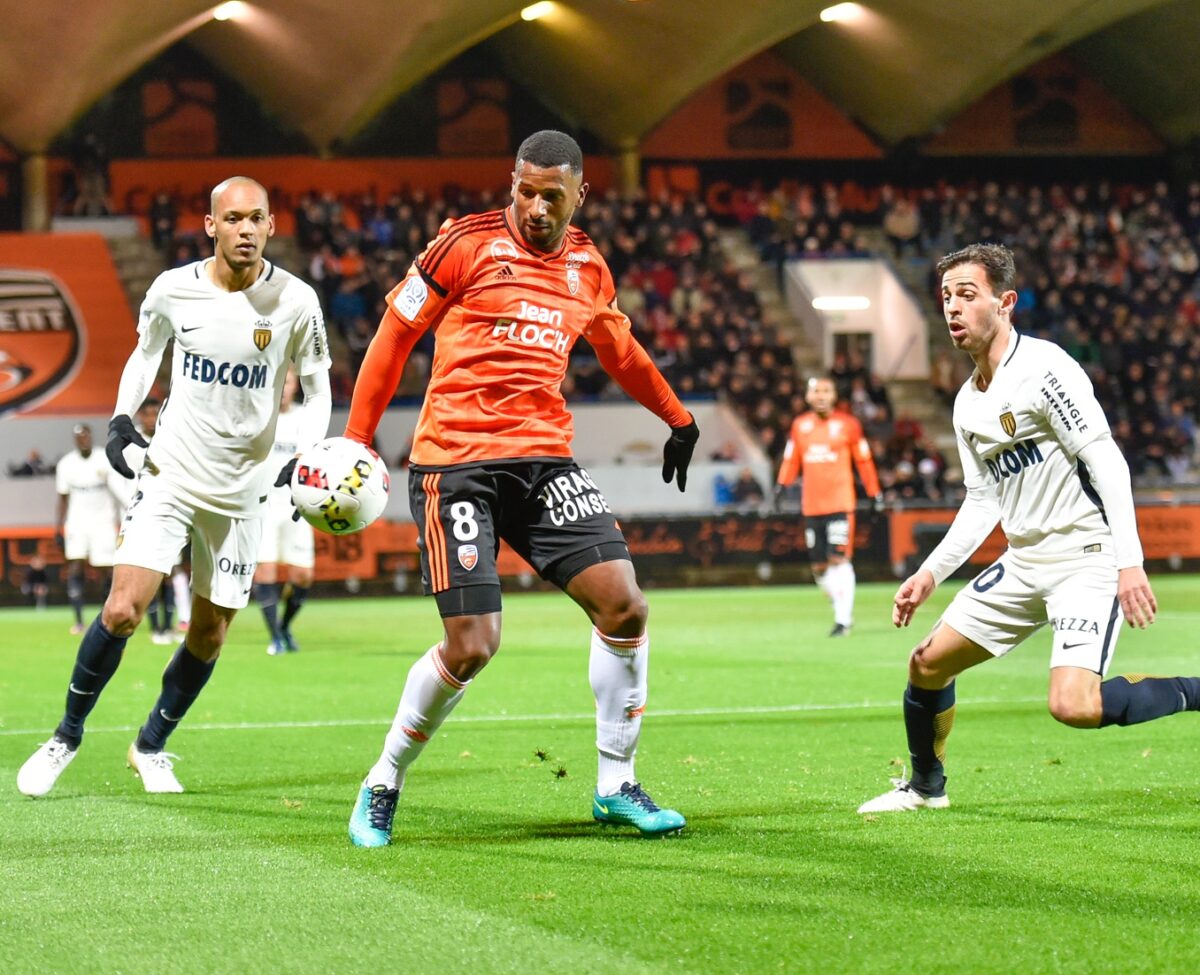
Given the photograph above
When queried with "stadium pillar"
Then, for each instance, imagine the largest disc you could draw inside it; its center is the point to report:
(35, 204)
(629, 167)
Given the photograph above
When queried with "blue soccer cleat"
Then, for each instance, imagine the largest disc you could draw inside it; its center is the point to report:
(289, 642)
(632, 807)
(371, 821)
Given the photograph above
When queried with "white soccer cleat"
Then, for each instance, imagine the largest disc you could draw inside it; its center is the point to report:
(903, 798)
(155, 770)
(38, 775)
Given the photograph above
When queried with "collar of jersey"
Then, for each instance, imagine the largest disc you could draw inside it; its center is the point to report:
(1014, 341)
(520, 241)
(202, 275)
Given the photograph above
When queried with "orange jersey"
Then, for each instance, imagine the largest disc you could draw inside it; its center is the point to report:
(505, 318)
(822, 451)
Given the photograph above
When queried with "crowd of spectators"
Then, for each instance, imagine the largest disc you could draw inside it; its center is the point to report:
(1111, 273)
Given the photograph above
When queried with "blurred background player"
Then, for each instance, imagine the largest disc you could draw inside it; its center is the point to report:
(287, 541)
(87, 516)
(491, 460)
(35, 585)
(824, 448)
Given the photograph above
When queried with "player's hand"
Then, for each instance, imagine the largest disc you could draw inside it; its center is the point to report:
(121, 433)
(285, 480)
(1136, 597)
(878, 504)
(677, 453)
(912, 592)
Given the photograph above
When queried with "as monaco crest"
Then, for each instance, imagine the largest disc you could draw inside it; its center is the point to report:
(1009, 423)
(468, 556)
(262, 338)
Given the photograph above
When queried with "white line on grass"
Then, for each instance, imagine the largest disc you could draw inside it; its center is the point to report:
(512, 718)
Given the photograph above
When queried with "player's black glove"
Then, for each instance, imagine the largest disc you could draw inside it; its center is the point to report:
(285, 480)
(121, 433)
(677, 453)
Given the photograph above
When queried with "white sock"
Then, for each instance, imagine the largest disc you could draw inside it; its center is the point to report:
(617, 671)
(183, 598)
(822, 580)
(430, 694)
(843, 592)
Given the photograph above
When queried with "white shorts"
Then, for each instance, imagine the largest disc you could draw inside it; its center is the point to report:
(285, 541)
(1013, 597)
(97, 543)
(224, 549)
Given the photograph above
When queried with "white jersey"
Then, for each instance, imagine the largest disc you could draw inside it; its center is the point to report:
(231, 355)
(86, 483)
(1021, 438)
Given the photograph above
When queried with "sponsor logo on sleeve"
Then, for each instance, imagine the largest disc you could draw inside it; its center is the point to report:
(412, 297)
(42, 335)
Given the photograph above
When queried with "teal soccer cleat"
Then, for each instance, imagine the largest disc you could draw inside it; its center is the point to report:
(371, 821)
(632, 807)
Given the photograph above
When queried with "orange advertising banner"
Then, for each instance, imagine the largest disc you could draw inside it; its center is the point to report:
(1167, 532)
(65, 325)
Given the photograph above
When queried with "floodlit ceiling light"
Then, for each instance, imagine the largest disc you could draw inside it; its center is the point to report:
(536, 11)
(841, 12)
(842, 303)
(230, 10)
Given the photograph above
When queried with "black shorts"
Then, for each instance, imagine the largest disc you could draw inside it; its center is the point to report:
(827, 535)
(550, 511)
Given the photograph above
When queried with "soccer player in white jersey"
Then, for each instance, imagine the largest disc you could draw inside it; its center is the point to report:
(86, 519)
(287, 541)
(1038, 456)
(237, 321)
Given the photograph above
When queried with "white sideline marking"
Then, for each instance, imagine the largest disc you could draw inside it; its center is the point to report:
(517, 718)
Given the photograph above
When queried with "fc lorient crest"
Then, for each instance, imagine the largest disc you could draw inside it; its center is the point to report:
(41, 338)
(468, 555)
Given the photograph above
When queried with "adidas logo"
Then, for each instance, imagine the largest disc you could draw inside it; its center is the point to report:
(505, 272)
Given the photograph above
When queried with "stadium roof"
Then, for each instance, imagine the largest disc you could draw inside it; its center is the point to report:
(901, 69)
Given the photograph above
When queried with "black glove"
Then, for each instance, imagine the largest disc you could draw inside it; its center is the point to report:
(121, 433)
(285, 480)
(677, 453)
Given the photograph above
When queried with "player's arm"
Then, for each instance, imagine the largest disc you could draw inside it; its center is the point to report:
(1085, 434)
(137, 378)
(314, 422)
(623, 358)
(972, 524)
(1110, 477)
(789, 468)
(864, 463)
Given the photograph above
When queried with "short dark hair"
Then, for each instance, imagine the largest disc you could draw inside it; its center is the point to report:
(550, 149)
(995, 259)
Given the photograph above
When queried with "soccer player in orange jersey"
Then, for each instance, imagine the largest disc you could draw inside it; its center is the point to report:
(821, 447)
(507, 294)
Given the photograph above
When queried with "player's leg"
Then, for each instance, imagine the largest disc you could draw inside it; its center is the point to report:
(223, 553)
(181, 583)
(75, 586)
(299, 557)
(96, 661)
(987, 618)
(816, 541)
(453, 511)
(567, 532)
(839, 578)
(1086, 617)
(267, 582)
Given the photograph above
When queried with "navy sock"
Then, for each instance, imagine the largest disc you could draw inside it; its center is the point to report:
(928, 716)
(75, 596)
(182, 682)
(1134, 698)
(98, 658)
(294, 601)
(153, 612)
(268, 601)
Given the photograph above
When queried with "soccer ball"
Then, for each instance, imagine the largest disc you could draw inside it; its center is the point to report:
(339, 486)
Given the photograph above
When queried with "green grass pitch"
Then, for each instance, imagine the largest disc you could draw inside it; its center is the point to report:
(1065, 850)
